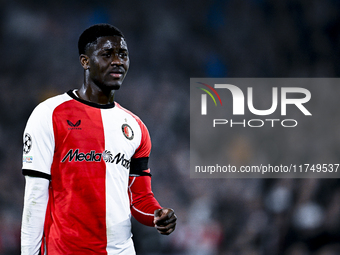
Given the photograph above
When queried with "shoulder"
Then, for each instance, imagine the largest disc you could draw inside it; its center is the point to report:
(129, 113)
(51, 103)
(42, 113)
(144, 147)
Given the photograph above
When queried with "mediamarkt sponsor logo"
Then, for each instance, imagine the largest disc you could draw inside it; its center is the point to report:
(90, 156)
(93, 156)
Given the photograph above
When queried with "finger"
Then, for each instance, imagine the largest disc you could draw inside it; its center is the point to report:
(167, 230)
(164, 215)
(158, 212)
(159, 215)
(166, 221)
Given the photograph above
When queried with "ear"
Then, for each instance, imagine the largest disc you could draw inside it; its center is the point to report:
(84, 61)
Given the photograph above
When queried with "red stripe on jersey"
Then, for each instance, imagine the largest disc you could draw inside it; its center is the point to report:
(76, 220)
(144, 148)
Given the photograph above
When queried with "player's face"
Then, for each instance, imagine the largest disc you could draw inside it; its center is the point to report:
(108, 62)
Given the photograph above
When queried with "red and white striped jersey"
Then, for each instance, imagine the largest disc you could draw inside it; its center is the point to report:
(88, 151)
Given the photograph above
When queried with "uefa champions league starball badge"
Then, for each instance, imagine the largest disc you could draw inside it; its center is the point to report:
(27, 143)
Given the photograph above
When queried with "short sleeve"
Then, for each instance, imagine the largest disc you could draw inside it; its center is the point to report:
(140, 160)
(38, 143)
(144, 148)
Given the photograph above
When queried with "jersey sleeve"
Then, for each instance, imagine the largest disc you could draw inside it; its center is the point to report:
(139, 161)
(38, 142)
(33, 217)
(142, 200)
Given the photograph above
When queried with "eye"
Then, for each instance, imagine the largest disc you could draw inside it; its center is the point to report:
(123, 55)
(107, 55)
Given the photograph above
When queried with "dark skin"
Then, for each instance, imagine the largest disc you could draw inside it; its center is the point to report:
(165, 221)
(105, 64)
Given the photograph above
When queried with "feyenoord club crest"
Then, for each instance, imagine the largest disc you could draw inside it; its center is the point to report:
(127, 131)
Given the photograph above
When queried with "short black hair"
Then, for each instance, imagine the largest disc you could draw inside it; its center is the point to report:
(92, 33)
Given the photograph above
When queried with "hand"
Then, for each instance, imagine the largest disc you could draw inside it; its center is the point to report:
(165, 221)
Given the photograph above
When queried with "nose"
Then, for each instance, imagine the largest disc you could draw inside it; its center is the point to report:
(115, 60)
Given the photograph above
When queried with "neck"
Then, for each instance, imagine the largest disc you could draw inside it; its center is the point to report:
(95, 94)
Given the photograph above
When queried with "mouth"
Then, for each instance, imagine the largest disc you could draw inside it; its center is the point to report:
(117, 73)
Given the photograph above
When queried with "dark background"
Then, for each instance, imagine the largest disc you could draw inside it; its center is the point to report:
(169, 42)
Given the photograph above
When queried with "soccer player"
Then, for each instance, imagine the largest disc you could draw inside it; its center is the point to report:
(85, 161)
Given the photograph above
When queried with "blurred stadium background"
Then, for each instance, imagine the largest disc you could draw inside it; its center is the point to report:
(169, 42)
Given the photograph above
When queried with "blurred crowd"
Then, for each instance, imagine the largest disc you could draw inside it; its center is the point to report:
(169, 42)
